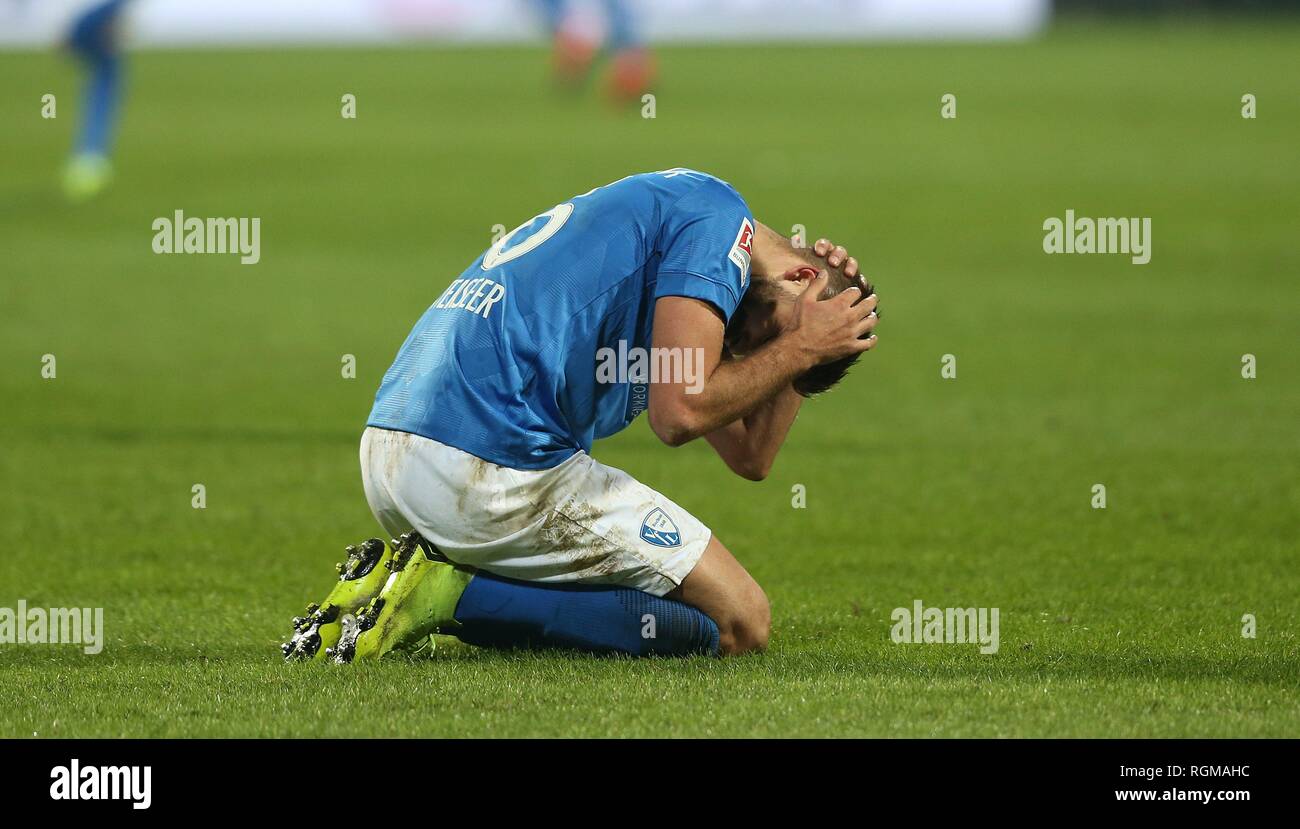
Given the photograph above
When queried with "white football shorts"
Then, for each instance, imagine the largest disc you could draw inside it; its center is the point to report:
(579, 522)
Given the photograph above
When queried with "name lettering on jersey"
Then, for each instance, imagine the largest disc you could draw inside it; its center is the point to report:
(674, 172)
(477, 296)
(638, 400)
(742, 250)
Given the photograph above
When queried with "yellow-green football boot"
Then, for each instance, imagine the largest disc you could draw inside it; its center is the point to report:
(361, 576)
(86, 176)
(419, 600)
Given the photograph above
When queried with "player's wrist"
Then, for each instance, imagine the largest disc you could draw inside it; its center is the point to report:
(801, 354)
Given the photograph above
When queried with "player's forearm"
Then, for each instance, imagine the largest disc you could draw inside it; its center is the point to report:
(767, 426)
(734, 390)
(750, 445)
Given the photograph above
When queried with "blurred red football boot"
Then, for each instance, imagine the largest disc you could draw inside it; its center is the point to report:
(631, 74)
(571, 58)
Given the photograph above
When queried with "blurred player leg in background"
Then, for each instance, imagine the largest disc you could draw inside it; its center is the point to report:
(632, 67)
(94, 40)
(572, 52)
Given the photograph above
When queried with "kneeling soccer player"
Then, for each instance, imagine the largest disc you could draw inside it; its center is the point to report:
(477, 450)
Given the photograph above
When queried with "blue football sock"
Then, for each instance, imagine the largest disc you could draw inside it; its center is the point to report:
(500, 612)
(101, 99)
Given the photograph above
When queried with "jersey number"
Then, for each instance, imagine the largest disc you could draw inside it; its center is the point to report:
(555, 219)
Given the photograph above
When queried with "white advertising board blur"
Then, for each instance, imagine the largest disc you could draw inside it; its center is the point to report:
(175, 22)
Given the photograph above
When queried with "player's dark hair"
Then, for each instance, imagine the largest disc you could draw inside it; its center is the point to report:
(760, 302)
(823, 377)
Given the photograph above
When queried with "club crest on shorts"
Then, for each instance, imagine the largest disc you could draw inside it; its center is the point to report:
(658, 529)
(742, 249)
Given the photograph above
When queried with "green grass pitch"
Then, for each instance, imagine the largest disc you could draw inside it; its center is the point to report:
(1071, 371)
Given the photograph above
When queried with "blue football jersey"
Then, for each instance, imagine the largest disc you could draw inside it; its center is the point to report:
(503, 364)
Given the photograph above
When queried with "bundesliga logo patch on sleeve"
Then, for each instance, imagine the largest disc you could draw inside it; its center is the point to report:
(742, 249)
(659, 530)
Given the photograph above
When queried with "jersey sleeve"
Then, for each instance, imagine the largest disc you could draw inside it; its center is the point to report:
(707, 242)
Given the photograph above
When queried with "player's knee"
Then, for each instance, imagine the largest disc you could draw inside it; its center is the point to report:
(748, 628)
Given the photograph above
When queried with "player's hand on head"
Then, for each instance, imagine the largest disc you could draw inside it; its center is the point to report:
(835, 255)
(834, 328)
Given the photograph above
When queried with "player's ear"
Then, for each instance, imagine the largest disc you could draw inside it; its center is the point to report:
(802, 274)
